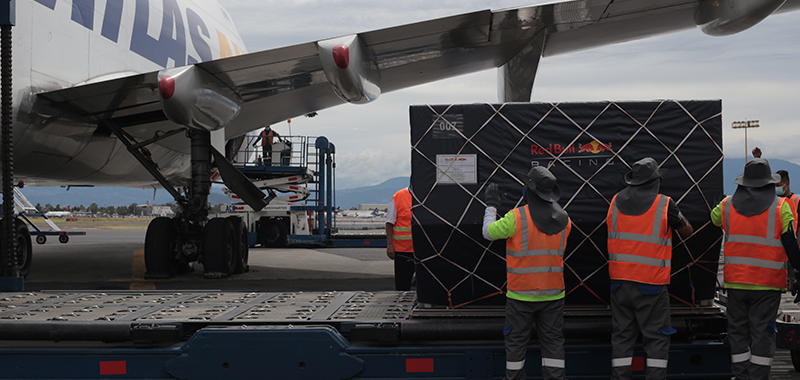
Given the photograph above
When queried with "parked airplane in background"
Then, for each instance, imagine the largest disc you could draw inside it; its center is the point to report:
(57, 214)
(363, 214)
(147, 92)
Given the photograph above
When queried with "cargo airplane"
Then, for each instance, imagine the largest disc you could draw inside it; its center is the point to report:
(146, 93)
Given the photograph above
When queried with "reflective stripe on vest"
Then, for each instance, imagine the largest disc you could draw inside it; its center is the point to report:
(640, 255)
(793, 201)
(535, 260)
(401, 233)
(754, 254)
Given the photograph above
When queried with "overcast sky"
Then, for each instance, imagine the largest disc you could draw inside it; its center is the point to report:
(755, 73)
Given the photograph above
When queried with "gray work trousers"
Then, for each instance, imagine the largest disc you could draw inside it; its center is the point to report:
(751, 331)
(548, 316)
(640, 308)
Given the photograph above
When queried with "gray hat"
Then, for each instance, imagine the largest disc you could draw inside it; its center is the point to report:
(543, 183)
(757, 174)
(644, 171)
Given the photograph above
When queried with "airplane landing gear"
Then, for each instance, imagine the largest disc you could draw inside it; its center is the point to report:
(220, 244)
(173, 244)
(24, 248)
(161, 248)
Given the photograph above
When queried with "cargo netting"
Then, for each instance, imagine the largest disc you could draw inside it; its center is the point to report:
(458, 149)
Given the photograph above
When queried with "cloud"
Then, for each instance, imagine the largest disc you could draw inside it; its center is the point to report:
(371, 166)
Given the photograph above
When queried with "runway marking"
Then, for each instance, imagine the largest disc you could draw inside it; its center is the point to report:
(137, 273)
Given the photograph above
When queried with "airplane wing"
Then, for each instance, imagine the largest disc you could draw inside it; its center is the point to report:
(280, 84)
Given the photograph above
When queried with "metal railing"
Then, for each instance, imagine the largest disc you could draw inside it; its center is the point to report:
(285, 151)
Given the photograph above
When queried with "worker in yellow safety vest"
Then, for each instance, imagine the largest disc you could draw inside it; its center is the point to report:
(640, 224)
(399, 245)
(536, 237)
(759, 238)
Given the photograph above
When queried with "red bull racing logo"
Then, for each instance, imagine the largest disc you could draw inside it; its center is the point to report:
(574, 155)
(594, 147)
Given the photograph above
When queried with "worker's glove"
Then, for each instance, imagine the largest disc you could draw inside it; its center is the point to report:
(493, 196)
(796, 291)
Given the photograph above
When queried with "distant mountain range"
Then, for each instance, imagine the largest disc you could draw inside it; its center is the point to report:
(345, 198)
(124, 196)
(733, 167)
(381, 193)
(106, 196)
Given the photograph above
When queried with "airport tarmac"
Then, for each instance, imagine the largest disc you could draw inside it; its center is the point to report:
(113, 259)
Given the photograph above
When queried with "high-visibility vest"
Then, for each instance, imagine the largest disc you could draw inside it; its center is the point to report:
(754, 253)
(266, 137)
(793, 201)
(535, 260)
(401, 234)
(640, 246)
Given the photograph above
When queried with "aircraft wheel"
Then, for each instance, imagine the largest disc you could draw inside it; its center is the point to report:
(272, 233)
(243, 248)
(219, 248)
(160, 248)
(24, 249)
(63, 239)
(41, 239)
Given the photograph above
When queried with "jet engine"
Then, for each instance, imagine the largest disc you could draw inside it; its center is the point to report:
(725, 17)
(350, 68)
(192, 97)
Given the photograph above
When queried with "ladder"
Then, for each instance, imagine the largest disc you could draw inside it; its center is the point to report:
(23, 207)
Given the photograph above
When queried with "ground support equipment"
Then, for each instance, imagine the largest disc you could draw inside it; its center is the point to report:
(315, 335)
(787, 325)
(299, 217)
(25, 210)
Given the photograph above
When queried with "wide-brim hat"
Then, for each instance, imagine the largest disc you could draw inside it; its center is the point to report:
(542, 183)
(757, 174)
(643, 171)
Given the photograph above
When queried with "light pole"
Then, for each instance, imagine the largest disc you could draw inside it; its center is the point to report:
(745, 125)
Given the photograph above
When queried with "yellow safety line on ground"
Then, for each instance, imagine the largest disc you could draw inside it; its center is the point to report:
(137, 276)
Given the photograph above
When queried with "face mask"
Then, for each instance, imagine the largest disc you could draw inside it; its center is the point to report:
(779, 191)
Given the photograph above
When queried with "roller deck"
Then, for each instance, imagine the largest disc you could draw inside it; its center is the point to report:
(314, 335)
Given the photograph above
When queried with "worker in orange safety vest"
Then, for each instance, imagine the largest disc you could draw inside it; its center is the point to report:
(783, 189)
(640, 225)
(266, 138)
(536, 237)
(399, 245)
(759, 238)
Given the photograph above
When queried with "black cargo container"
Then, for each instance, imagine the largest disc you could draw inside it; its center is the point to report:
(458, 149)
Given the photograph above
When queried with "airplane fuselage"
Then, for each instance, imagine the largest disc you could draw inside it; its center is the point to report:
(60, 44)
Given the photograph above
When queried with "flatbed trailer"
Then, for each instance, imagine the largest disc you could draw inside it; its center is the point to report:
(311, 335)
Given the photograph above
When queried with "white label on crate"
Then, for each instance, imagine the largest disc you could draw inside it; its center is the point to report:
(452, 168)
(448, 126)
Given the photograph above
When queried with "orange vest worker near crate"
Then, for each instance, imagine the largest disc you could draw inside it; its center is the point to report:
(640, 224)
(759, 237)
(399, 246)
(536, 238)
